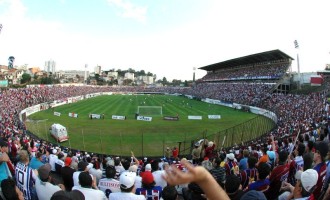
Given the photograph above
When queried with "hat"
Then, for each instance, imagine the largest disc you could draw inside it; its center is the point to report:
(308, 179)
(3, 143)
(67, 161)
(132, 168)
(322, 147)
(271, 155)
(147, 177)
(210, 144)
(82, 165)
(231, 156)
(54, 151)
(44, 171)
(127, 180)
(253, 194)
(148, 167)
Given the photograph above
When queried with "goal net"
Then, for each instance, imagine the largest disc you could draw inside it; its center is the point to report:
(150, 110)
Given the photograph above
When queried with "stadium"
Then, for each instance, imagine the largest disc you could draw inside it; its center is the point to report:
(252, 91)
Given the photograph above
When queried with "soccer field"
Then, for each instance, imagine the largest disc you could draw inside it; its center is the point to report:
(119, 137)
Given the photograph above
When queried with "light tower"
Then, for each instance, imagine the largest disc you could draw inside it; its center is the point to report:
(296, 45)
(194, 69)
(85, 78)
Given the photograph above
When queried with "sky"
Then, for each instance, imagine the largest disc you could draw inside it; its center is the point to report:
(167, 38)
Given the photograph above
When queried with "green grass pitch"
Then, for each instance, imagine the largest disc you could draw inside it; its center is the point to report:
(119, 137)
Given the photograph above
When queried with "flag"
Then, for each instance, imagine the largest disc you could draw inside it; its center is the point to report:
(296, 45)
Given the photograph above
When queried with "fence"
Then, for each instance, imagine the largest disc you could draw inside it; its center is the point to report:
(150, 144)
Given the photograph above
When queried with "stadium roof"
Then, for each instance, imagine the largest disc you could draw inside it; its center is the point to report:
(250, 59)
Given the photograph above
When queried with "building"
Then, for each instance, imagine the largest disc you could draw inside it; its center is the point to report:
(129, 75)
(97, 70)
(50, 66)
(114, 75)
(145, 79)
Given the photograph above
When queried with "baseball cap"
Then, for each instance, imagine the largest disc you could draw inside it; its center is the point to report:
(44, 171)
(231, 156)
(82, 165)
(322, 147)
(67, 161)
(127, 180)
(147, 177)
(148, 167)
(308, 179)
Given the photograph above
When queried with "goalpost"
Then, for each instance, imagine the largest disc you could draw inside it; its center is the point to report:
(150, 110)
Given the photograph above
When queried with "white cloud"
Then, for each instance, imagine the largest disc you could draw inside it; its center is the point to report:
(129, 10)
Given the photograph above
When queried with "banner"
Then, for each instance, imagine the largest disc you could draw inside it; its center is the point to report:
(194, 117)
(214, 116)
(75, 115)
(171, 118)
(118, 117)
(143, 118)
(57, 114)
(95, 116)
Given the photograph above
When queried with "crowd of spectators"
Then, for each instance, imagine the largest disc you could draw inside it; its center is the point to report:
(271, 71)
(288, 162)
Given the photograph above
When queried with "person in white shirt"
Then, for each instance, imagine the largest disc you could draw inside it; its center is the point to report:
(126, 180)
(44, 188)
(109, 184)
(138, 179)
(157, 174)
(82, 167)
(88, 187)
(52, 159)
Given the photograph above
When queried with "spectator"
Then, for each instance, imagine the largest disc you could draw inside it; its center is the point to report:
(231, 165)
(233, 187)
(63, 195)
(109, 184)
(157, 174)
(88, 187)
(67, 174)
(35, 162)
(249, 175)
(44, 188)
(243, 164)
(138, 179)
(321, 151)
(278, 175)
(196, 153)
(4, 159)
(219, 173)
(82, 167)
(262, 183)
(126, 180)
(25, 177)
(9, 190)
(170, 193)
(149, 190)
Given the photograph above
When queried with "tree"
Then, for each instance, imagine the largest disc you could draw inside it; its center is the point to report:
(25, 78)
(164, 81)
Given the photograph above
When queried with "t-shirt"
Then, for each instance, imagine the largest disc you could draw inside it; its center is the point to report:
(24, 180)
(260, 185)
(159, 179)
(91, 194)
(278, 175)
(125, 196)
(35, 163)
(45, 190)
(75, 177)
(151, 194)
(52, 160)
(321, 169)
(109, 185)
(246, 175)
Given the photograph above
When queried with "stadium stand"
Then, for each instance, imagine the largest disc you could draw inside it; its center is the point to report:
(250, 80)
